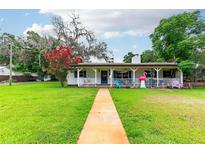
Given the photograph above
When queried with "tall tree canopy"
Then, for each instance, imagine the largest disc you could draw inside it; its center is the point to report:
(33, 50)
(6, 40)
(148, 56)
(128, 57)
(178, 38)
(81, 40)
(29, 49)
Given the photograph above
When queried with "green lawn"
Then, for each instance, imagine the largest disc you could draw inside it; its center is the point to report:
(162, 116)
(43, 113)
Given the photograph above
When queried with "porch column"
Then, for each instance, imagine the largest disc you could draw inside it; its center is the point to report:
(68, 75)
(95, 70)
(111, 74)
(157, 69)
(133, 77)
(181, 77)
(78, 76)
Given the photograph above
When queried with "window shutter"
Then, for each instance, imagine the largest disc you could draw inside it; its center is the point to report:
(114, 74)
(129, 75)
(75, 74)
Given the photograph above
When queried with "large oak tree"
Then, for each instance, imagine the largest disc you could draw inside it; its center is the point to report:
(82, 41)
(178, 38)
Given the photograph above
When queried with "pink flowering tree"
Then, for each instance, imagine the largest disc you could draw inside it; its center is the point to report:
(60, 61)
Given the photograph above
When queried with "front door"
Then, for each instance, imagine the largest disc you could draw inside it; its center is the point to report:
(103, 77)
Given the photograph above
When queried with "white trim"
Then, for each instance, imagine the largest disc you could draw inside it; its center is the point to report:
(133, 74)
(111, 76)
(78, 75)
(157, 69)
(95, 70)
(181, 77)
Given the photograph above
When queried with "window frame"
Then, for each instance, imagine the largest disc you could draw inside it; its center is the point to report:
(169, 73)
(82, 74)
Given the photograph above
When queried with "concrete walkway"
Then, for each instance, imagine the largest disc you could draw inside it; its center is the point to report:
(103, 125)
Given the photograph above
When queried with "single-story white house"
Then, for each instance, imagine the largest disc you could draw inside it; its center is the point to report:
(127, 74)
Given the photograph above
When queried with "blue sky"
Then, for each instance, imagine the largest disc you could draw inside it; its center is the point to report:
(122, 30)
(16, 21)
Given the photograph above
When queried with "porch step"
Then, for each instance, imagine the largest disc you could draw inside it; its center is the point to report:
(103, 86)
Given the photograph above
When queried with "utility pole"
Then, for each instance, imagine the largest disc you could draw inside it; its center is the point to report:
(10, 65)
(10, 62)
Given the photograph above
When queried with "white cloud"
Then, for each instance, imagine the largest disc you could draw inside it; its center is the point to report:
(134, 46)
(96, 60)
(116, 53)
(109, 35)
(118, 23)
(43, 30)
(118, 60)
(112, 34)
(115, 50)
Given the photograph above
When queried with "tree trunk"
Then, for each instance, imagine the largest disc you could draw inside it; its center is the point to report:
(39, 60)
(62, 83)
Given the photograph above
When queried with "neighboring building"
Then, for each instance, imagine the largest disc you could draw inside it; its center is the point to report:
(4, 73)
(106, 74)
(16, 76)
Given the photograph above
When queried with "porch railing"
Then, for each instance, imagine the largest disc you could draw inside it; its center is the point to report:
(163, 82)
(129, 82)
(86, 82)
(125, 82)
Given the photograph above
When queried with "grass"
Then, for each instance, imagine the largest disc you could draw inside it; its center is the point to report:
(43, 113)
(162, 116)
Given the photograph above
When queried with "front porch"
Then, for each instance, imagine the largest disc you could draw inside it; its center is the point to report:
(128, 83)
(127, 77)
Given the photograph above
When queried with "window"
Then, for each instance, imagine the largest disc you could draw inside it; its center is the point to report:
(151, 74)
(130, 74)
(169, 74)
(119, 74)
(81, 74)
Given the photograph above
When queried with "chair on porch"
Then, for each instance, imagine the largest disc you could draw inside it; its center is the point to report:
(118, 84)
(175, 84)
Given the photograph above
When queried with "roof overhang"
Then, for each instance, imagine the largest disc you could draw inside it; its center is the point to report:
(125, 65)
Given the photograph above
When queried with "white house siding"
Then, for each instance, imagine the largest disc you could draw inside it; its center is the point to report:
(71, 80)
(90, 76)
(177, 74)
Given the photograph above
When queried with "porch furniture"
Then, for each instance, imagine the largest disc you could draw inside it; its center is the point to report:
(118, 84)
(176, 84)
